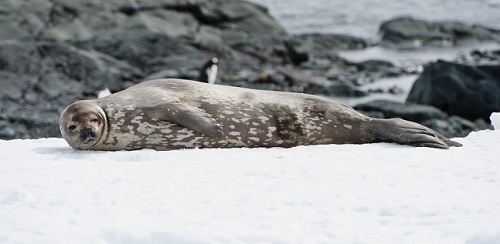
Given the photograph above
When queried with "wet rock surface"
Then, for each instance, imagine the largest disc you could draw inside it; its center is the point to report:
(54, 52)
(432, 117)
(472, 92)
(407, 32)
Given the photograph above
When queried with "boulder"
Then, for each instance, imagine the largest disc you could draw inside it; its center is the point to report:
(408, 111)
(481, 57)
(320, 46)
(23, 19)
(410, 32)
(470, 92)
(434, 118)
(75, 20)
(454, 126)
(39, 79)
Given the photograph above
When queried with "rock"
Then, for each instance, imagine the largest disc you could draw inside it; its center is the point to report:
(297, 56)
(36, 121)
(73, 20)
(6, 131)
(265, 49)
(137, 47)
(23, 19)
(302, 79)
(320, 44)
(39, 79)
(470, 92)
(94, 70)
(410, 32)
(14, 85)
(481, 57)
(374, 65)
(245, 16)
(339, 90)
(452, 127)
(408, 111)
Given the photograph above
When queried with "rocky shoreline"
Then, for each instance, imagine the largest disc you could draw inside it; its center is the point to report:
(54, 52)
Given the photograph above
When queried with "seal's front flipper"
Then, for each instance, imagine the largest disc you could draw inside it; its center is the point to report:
(189, 117)
(410, 133)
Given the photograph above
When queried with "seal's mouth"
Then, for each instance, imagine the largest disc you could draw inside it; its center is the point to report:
(87, 136)
(89, 141)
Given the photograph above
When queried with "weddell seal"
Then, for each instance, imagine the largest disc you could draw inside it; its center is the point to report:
(172, 114)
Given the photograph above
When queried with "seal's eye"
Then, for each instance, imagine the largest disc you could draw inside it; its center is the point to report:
(72, 127)
(93, 120)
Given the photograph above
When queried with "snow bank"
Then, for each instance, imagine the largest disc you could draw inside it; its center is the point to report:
(375, 193)
(495, 120)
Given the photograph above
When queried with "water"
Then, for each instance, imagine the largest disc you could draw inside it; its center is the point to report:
(362, 18)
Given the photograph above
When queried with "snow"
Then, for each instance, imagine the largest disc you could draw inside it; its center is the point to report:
(373, 193)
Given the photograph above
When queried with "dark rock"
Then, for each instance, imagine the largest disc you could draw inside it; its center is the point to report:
(39, 79)
(23, 19)
(373, 65)
(452, 127)
(481, 57)
(395, 90)
(14, 85)
(412, 112)
(296, 55)
(273, 77)
(321, 44)
(72, 20)
(313, 47)
(470, 92)
(341, 90)
(137, 47)
(410, 32)
(50, 67)
(6, 132)
(245, 16)
(268, 49)
(95, 71)
(302, 79)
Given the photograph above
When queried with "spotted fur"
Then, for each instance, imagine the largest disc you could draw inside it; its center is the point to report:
(172, 114)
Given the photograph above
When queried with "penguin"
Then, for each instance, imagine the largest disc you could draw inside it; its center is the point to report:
(208, 73)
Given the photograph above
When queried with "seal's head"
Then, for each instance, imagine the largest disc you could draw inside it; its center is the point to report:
(83, 124)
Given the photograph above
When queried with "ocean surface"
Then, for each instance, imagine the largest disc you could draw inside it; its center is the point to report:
(362, 18)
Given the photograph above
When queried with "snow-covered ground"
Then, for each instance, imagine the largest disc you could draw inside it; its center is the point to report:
(376, 193)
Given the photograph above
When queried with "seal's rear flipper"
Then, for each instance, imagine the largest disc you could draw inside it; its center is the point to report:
(189, 117)
(409, 133)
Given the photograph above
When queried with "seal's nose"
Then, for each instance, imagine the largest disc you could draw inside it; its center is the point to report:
(86, 133)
